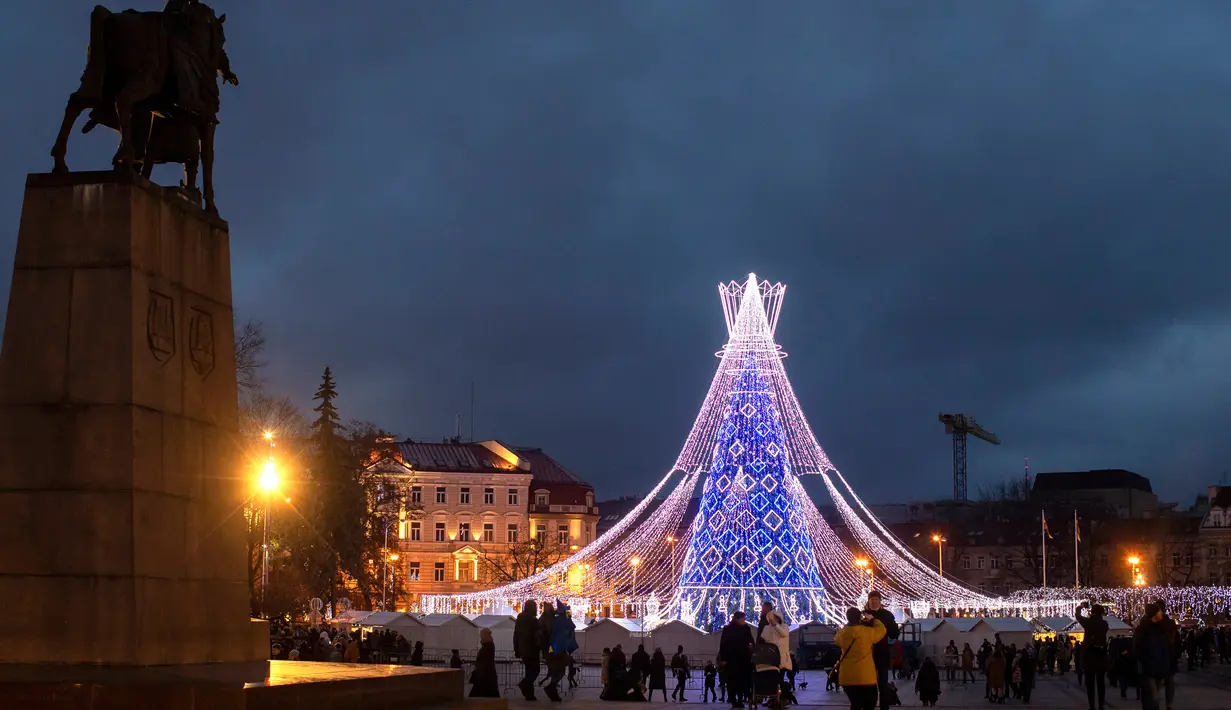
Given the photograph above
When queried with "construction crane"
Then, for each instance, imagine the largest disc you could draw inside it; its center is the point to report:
(959, 425)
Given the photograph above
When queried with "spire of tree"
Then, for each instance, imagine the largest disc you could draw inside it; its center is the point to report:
(325, 428)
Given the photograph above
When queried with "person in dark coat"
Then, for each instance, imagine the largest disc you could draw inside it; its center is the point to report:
(927, 684)
(416, 656)
(1153, 650)
(621, 685)
(658, 674)
(1094, 650)
(639, 665)
(679, 668)
(735, 657)
(880, 650)
(484, 681)
(526, 646)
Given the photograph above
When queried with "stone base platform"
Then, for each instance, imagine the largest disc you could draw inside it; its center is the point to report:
(272, 685)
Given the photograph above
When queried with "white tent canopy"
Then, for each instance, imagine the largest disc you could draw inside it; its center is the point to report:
(444, 632)
(607, 633)
(408, 626)
(501, 627)
(698, 645)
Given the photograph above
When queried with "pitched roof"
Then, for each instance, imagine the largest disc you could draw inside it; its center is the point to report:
(1006, 624)
(1097, 479)
(442, 619)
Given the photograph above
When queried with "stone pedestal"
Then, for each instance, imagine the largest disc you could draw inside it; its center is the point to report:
(121, 487)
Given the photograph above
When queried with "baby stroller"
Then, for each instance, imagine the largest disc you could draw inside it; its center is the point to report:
(766, 676)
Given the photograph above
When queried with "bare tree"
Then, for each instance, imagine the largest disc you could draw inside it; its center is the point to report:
(521, 559)
(276, 414)
(249, 349)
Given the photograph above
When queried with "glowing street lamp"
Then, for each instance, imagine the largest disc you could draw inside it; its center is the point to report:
(1139, 579)
(940, 541)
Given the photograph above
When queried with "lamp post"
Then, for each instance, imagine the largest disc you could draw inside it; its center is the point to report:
(940, 541)
(269, 483)
(671, 542)
(635, 562)
(865, 567)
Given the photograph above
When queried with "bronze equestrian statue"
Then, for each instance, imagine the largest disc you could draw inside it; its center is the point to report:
(153, 76)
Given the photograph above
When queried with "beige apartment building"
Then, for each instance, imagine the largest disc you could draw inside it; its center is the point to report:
(480, 514)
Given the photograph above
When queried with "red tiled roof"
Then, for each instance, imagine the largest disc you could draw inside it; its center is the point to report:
(563, 485)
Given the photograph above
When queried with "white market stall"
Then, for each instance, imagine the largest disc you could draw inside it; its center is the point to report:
(501, 627)
(444, 632)
(698, 645)
(607, 633)
(1115, 627)
(1054, 624)
(933, 640)
(1012, 630)
(812, 632)
(408, 626)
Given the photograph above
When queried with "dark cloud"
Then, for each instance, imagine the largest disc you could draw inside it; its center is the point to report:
(1014, 209)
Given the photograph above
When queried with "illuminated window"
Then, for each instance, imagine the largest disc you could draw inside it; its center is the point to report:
(540, 531)
(463, 532)
(540, 498)
(412, 571)
(562, 534)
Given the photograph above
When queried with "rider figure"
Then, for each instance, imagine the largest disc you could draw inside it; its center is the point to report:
(194, 87)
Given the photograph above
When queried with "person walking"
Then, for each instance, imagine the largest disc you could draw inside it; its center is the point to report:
(483, 679)
(951, 656)
(679, 668)
(880, 652)
(658, 674)
(857, 672)
(1153, 650)
(735, 657)
(1172, 632)
(526, 646)
(1094, 663)
(711, 675)
(968, 663)
(995, 670)
(927, 684)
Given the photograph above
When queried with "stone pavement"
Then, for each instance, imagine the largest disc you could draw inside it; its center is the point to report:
(1206, 689)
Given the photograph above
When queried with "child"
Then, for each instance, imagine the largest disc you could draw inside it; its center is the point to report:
(927, 685)
(711, 673)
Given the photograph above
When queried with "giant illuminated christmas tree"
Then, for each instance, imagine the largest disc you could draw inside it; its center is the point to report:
(749, 543)
(758, 535)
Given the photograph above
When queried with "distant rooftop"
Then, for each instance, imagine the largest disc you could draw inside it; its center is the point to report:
(1098, 479)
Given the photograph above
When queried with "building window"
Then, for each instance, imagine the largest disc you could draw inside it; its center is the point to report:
(440, 532)
(489, 496)
(489, 532)
(980, 562)
(438, 572)
(589, 500)
(464, 496)
(416, 495)
(412, 572)
(1211, 553)
(466, 571)
(589, 534)
(540, 532)
(982, 588)
(1008, 561)
(1175, 559)
(512, 532)
(512, 496)
(965, 561)
(1038, 561)
(562, 534)
(1188, 559)
(416, 532)
(463, 532)
(441, 496)
(540, 498)
(995, 562)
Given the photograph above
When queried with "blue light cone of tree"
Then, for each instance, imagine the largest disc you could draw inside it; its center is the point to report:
(749, 542)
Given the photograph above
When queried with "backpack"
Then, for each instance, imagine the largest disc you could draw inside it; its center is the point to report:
(766, 654)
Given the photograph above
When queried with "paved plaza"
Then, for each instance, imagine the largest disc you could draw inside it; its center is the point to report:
(1207, 689)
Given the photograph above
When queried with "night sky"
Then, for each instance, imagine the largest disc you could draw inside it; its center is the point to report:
(1013, 210)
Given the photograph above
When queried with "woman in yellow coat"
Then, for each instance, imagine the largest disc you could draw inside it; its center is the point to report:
(856, 670)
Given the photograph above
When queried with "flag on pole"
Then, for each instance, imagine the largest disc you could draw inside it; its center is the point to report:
(1045, 528)
(1077, 526)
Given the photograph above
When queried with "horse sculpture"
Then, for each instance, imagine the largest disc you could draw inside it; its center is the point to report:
(151, 76)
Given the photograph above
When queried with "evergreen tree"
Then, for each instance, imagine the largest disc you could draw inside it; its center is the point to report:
(337, 496)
